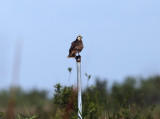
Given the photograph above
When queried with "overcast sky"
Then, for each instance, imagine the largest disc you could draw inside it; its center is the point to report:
(121, 38)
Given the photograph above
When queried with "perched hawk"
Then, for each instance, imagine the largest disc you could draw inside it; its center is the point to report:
(76, 47)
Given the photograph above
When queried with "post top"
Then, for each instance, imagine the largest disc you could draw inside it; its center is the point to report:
(78, 58)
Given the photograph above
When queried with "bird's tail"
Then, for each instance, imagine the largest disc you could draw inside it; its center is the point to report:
(71, 56)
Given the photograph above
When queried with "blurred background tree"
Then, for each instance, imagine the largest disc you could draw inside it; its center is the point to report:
(135, 98)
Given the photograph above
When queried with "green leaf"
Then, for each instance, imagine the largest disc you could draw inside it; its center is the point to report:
(69, 69)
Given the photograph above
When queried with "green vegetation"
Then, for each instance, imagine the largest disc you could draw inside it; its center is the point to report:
(135, 98)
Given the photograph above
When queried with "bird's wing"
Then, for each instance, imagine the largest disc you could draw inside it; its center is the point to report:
(73, 45)
(76, 45)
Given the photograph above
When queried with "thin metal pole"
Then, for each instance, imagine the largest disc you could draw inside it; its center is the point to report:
(78, 59)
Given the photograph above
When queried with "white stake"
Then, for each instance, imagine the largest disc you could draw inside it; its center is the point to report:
(78, 59)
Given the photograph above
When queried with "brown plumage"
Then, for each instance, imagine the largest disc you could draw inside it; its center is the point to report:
(76, 47)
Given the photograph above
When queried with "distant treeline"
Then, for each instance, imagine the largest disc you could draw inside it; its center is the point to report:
(135, 98)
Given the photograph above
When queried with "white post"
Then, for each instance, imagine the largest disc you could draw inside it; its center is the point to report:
(78, 59)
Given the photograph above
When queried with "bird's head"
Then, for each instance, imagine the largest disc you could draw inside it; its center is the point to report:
(79, 37)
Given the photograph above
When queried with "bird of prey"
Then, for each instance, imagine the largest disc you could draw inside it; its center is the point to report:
(76, 47)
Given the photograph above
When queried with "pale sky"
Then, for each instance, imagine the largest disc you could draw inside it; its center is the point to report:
(121, 38)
